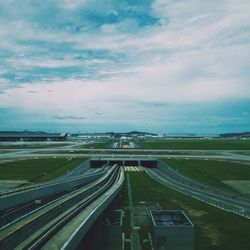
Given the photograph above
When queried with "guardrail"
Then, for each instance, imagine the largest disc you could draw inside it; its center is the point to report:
(205, 188)
(230, 202)
(23, 195)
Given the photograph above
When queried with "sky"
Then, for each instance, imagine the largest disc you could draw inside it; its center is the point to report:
(164, 66)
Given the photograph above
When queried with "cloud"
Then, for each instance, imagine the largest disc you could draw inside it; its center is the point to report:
(58, 117)
(73, 4)
(60, 56)
(111, 96)
(31, 92)
(99, 113)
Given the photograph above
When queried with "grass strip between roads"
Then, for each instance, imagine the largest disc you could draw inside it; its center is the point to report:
(196, 144)
(211, 172)
(33, 145)
(38, 170)
(100, 145)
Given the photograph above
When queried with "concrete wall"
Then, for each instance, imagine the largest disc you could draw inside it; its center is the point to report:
(172, 230)
(174, 238)
(149, 163)
(112, 162)
(97, 163)
(78, 235)
(109, 235)
(131, 163)
(33, 194)
(81, 169)
(165, 168)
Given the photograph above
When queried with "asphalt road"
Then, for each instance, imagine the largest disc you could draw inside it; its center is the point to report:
(231, 155)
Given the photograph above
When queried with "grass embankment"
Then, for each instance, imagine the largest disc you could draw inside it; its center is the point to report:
(38, 170)
(196, 144)
(214, 228)
(211, 173)
(101, 145)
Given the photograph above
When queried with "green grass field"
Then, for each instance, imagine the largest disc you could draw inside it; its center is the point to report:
(214, 228)
(196, 144)
(211, 172)
(38, 170)
(32, 145)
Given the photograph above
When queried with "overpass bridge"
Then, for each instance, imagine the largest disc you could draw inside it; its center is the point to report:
(147, 162)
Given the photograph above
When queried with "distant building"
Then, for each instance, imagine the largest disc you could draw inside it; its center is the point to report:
(244, 135)
(135, 135)
(13, 136)
(90, 136)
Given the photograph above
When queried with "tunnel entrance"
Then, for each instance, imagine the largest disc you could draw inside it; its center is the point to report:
(149, 164)
(144, 162)
(131, 163)
(112, 162)
(97, 163)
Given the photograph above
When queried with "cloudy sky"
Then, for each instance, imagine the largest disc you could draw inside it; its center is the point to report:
(164, 66)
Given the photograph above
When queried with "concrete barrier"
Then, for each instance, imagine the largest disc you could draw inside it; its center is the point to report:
(37, 192)
(81, 169)
(98, 208)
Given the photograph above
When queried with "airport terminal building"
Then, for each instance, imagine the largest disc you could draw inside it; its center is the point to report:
(13, 136)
